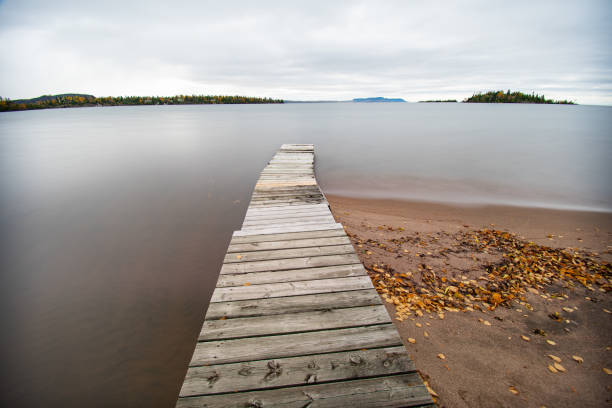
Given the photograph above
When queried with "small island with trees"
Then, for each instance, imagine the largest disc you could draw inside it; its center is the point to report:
(512, 97)
(73, 100)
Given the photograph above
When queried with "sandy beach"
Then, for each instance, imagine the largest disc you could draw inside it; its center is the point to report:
(482, 337)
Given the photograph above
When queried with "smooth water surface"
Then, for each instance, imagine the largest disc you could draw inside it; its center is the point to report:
(114, 221)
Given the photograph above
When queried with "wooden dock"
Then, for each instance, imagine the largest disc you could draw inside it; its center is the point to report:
(294, 320)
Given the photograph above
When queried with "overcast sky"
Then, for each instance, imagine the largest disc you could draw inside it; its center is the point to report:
(307, 50)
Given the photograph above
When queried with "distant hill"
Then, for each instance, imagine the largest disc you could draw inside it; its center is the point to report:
(47, 98)
(378, 99)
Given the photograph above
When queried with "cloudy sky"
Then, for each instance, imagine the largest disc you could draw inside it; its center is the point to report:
(307, 50)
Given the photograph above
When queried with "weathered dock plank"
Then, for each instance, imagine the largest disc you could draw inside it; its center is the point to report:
(294, 320)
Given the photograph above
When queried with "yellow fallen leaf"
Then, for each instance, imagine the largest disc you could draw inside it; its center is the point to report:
(419, 325)
(555, 358)
(425, 334)
(578, 359)
(443, 357)
(441, 316)
(552, 369)
(525, 338)
(568, 310)
(607, 370)
(411, 340)
(552, 343)
(368, 252)
(513, 390)
(486, 323)
(432, 392)
(247, 283)
(559, 367)
(606, 310)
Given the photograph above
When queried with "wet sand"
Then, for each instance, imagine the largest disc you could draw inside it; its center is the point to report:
(486, 361)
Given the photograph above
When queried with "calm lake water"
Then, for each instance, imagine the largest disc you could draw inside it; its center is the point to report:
(114, 221)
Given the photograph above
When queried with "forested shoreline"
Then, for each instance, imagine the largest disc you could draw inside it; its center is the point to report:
(512, 97)
(80, 100)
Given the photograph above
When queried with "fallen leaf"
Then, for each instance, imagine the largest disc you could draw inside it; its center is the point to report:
(411, 340)
(418, 324)
(247, 283)
(513, 390)
(578, 359)
(486, 323)
(607, 311)
(239, 256)
(552, 369)
(223, 318)
(607, 371)
(552, 343)
(555, 358)
(525, 338)
(425, 334)
(559, 367)
(568, 309)
(432, 392)
(443, 357)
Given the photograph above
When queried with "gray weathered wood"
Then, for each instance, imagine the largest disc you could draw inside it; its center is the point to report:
(257, 375)
(298, 344)
(293, 263)
(292, 304)
(296, 243)
(251, 238)
(404, 390)
(288, 253)
(293, 275)
(295, 322)
(290, 288)
(284, 230)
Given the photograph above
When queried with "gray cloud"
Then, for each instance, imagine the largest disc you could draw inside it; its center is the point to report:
(307, 50)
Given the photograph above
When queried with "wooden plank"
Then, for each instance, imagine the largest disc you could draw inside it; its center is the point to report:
(318, 213)
(288, 210)
(284, 227)
(294, 275)
(257, 375)
(293, 263)
(279, 223)
(404, 390)
(298, 344)
(296, 243)
(297, 228)
(288, 253)
(292, 304)
(314, 219)
(252, 238)
(293, 323)
(298, 288)
(285, 202)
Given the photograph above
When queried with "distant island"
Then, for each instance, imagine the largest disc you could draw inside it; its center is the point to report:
(512, 97)
(74, 100)
(378, 99)
(439, 101)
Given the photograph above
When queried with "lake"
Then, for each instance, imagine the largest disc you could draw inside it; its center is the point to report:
(115, 220)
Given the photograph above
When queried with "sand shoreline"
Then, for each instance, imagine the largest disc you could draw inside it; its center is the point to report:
(490, 364)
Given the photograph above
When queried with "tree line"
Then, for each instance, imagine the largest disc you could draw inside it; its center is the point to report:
(78, 100)
(512, 97)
